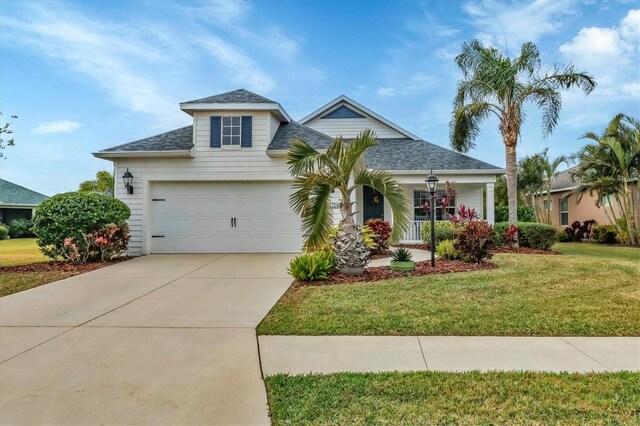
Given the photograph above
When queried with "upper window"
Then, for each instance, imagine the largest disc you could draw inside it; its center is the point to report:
(420, 198)
(231, 131)
(564, 211)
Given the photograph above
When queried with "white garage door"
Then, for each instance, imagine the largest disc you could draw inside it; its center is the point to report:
(223, 217)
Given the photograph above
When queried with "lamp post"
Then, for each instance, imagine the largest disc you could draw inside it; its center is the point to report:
(127, 177)
(432, 185)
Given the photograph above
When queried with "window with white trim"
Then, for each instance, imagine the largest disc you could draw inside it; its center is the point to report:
(420, 198)
(564, 212)
(231, 131)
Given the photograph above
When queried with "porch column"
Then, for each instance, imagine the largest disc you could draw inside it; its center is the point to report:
(490, 203)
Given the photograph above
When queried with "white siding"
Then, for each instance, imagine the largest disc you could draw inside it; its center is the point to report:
(350, 127)
(274, 124)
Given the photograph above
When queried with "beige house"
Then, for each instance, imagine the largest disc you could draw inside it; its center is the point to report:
(564, 205)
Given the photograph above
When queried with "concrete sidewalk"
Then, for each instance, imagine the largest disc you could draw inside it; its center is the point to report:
(331, 354)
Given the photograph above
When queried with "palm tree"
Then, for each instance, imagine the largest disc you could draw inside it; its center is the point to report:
(530, 181)
(103, 183)
(497, 84)
(340, 168)
(608, 167)
(549, 174)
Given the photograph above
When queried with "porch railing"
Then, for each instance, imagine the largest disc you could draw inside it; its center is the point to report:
(413, 233)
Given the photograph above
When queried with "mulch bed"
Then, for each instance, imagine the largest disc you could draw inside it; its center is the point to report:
(61, 266)
(418, 246)
(384, 272)
(381, 255)
(523, 250)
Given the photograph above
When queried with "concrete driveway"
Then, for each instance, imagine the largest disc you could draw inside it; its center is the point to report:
(162, 339)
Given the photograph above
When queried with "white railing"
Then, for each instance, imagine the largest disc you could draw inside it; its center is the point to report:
(413, 233)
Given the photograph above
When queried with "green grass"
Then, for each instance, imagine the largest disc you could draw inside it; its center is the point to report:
(20, 251)
(589, 291)
(455, 398)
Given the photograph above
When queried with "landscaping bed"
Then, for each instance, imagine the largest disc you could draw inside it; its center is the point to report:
(378, 273)
(60, 266)
(381, 255)
(522, 250)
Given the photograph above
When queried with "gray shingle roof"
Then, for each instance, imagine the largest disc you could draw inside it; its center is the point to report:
(290, 131)
(174, 140)
(10, 193)
(241, 96)
(409, 154)
(563, 180)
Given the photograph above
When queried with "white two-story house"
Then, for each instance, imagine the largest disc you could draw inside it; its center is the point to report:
(222, 184)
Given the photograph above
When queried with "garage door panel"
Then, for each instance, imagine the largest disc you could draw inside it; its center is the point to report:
(195, 217)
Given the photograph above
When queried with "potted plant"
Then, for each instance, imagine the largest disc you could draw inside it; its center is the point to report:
(401, 260)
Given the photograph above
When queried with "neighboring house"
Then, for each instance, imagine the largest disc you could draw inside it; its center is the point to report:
(17, 202)
(564, 205)
(223, 185)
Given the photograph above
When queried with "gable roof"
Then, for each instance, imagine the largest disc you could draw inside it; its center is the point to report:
(564, 181)
(358, 108)
(241, 96)
(408, 154)
(12, 194)
(287, 132)
(177, 140)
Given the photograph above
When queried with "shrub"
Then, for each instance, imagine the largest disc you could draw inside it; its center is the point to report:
(474, 240)
(510, 236)
(21, 228)
(4, 232)
(563, 237)
(463, 215)
(402, 255)
(579, 231)
(314, 266)
(447, 250)
(368, 237)
(381, 230)
(73, 215)
(104, 244)
(603, 234)
(444, 230)
(530, 234)
(525, 214)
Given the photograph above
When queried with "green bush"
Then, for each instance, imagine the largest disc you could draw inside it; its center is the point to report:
(444, 230)
(530, 234)
(603, 234)
(525, 214)
(21, 228)
(447, 250)
(4, 232)
(73, 215)
(314, 266)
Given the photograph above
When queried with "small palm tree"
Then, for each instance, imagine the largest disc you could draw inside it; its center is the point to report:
(530, 181)
(497, 84)
(340, 168)
(609, 167)
(549, 174)
(104, 182)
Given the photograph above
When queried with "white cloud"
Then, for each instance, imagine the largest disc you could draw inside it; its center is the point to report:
(62, 126)
(632, 89)
(500, 22)
(630, 27)
(386, 91)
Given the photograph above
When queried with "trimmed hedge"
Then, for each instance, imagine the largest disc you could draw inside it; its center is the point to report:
(604, 234)
(525, 214)
(72, 215)
(530, 234)
(444, 231)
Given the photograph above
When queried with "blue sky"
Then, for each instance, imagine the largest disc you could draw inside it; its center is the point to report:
(83, 76)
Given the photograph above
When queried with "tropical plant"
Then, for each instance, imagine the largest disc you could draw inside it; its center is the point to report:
(446, 250)
(106, 243)
(444, 230)
(4, 232)
(381, 230)
(317, 174)
(496, 84)
(603, 234)
(608, 167)
(549, 174)
(21, 228)
(401, 255)
(103, 183)
(579, 231)
(510, 236)
(474, 240)
(314, 266)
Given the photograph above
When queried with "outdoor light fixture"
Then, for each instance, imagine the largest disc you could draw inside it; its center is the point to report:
(127, 177)
(432, 185)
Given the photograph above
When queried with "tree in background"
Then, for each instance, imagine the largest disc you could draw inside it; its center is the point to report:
(608, 167)
(317, 174)
(496, 84)
(549, 174)
(5, 130)
(103, 183)
(531, 182)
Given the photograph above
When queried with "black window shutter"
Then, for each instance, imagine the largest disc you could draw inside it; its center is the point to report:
(216, 131)
(245, 139)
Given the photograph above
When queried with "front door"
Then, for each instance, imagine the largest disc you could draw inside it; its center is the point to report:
(373, 207)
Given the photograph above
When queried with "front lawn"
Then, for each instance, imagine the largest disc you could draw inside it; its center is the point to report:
(591, 290)
(455, 398)
(20, 251)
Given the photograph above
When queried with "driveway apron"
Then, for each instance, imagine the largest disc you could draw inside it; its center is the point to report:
(162, 339)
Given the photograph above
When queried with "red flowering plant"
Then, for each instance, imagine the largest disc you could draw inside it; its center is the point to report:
(463, 215)
(510, 236)
(107, 243)
(474, 240)
(382, 230)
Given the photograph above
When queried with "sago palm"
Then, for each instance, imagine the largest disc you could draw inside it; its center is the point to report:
(609, 167)
(496, 84)
(341, 168)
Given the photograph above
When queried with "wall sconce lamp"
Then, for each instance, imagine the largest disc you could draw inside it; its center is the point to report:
(127, 177)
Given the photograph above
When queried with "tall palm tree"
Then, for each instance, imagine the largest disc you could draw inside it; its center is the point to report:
(104, 182)
(609, 167)
(340, 168)
(496, 84)
(549, 174)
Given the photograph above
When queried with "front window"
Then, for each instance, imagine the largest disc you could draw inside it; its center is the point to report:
(420, 198)
(231, 131)
(564, 212)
